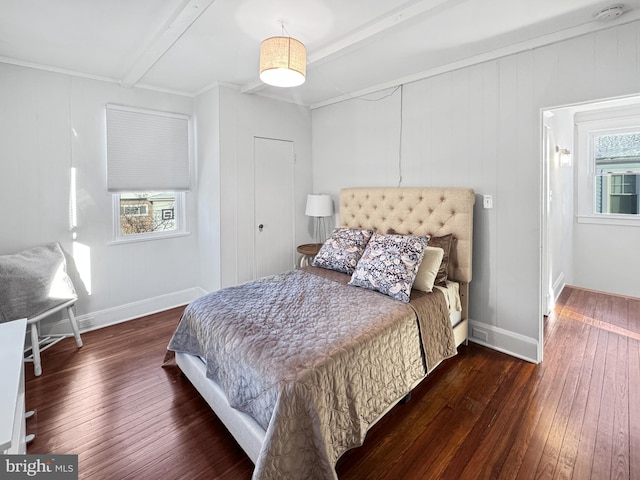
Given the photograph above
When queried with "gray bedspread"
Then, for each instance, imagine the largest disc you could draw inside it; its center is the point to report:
(312, 360)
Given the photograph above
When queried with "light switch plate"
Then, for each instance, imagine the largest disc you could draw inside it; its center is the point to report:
(487, 201)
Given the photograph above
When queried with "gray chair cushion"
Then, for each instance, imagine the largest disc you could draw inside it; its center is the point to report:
(33, 281)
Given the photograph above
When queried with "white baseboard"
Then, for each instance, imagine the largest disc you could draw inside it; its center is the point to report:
(123, 313)
(496, 338)
(557, 286)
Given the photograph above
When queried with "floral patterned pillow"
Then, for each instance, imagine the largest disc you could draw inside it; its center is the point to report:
(389, 264)
(343, 249)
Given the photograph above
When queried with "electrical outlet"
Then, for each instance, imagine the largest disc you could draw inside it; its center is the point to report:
(86, 322)
(487, 201)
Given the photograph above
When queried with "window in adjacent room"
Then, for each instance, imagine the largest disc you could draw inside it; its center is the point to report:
(617, 172)
(609, 167)
(147, 172)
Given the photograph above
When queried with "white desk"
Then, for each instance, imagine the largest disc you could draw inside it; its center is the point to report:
(12, 409)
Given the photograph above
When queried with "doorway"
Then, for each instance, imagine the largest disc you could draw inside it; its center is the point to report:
(572, 231)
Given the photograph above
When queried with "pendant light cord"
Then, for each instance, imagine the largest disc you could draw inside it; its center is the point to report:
(377, 99)
(400, 136)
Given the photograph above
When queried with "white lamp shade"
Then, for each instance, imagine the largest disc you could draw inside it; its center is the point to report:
(319, 206)
(283, 62)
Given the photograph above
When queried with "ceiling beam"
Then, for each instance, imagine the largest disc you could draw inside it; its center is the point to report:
(381, 25)
(175, 27)
(353, 40)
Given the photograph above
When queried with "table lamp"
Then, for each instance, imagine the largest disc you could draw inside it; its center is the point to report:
(319, 206)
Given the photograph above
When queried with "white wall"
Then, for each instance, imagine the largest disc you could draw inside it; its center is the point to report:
(226, 176)
(606, 258)
(49, 124)
(480, 127)
(207, 122)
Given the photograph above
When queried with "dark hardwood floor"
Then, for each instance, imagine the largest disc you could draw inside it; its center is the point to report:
(482, 414)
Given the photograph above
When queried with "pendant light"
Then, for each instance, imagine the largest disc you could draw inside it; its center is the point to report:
(283, 61)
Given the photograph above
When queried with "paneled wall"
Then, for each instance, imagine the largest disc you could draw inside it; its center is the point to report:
(52, 123)
(227, 122)
(480, 127)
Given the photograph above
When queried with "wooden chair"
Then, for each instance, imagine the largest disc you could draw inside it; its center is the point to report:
(40, 343)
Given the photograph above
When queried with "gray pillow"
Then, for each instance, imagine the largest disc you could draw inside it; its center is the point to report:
(33, 281)
(444, 242)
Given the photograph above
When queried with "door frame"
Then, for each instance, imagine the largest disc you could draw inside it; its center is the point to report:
(544, 228)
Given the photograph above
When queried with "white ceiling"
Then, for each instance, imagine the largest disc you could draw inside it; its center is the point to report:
(353, 46)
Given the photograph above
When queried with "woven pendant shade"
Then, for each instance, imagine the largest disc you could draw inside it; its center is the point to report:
(283, 62)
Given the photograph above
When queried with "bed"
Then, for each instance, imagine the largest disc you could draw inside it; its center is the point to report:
(301, 365)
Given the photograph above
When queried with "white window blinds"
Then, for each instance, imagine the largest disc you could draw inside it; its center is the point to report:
(146, 150)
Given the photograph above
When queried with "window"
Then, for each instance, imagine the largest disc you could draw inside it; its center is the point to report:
(147, 172)
(146, 215)
(617, 171)
(609, 166)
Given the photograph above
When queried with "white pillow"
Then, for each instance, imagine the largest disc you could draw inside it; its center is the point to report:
(428, 269)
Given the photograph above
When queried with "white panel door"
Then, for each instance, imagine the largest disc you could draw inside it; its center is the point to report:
(274, 229)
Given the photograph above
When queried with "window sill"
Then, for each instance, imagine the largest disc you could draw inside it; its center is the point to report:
(624, 221)
(149, 238)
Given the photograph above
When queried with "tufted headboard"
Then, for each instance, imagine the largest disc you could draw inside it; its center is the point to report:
(416, 211)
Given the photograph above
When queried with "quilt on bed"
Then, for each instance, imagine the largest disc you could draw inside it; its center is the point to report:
(312, 360)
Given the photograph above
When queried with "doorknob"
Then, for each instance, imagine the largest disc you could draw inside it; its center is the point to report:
(260, 227)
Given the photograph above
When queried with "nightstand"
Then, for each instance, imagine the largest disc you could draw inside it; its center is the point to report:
(308, 252)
